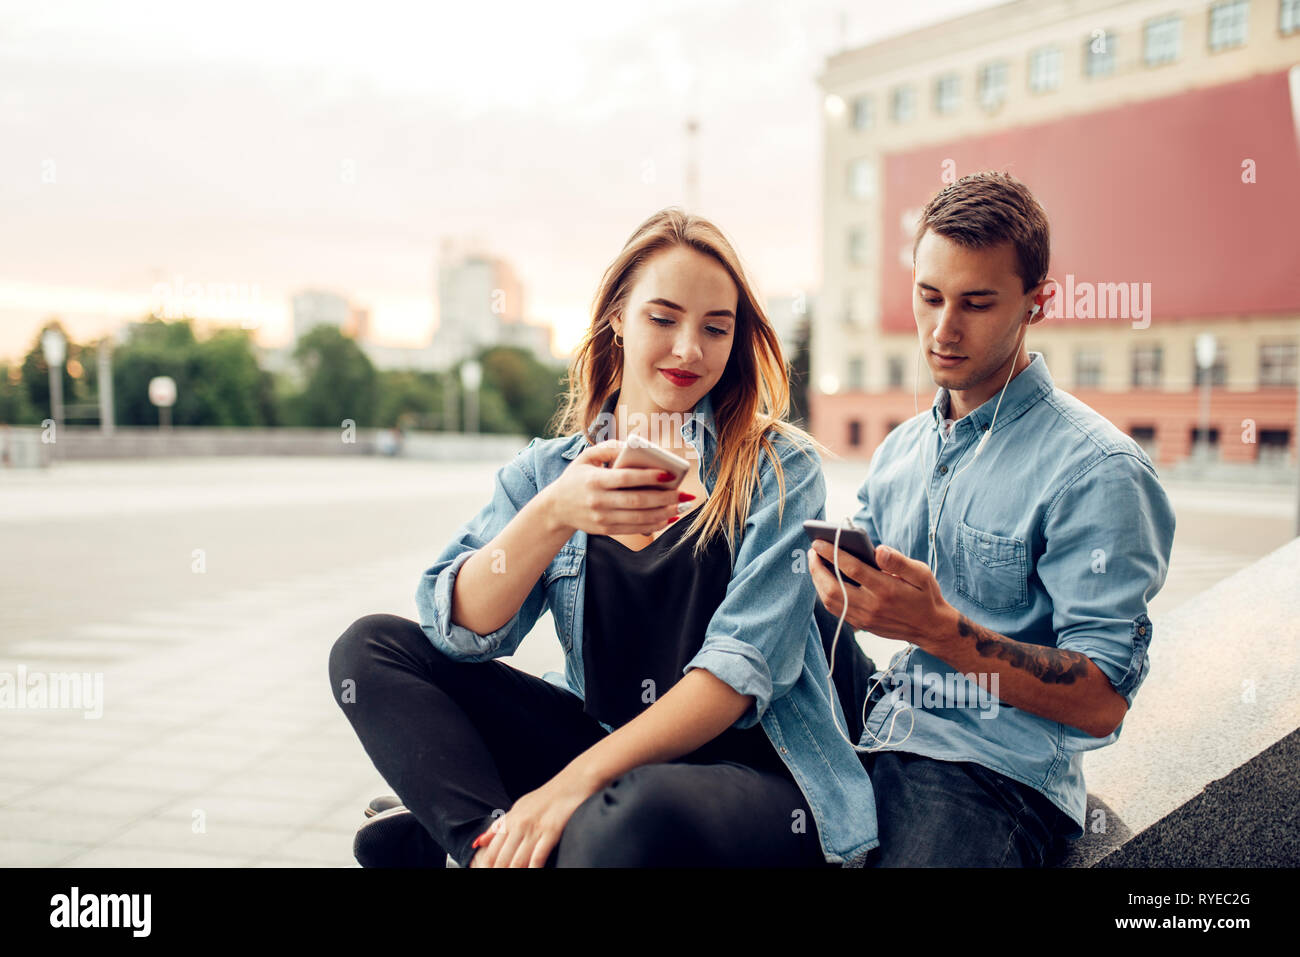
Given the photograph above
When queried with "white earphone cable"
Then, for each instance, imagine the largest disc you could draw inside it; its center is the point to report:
(830, 675)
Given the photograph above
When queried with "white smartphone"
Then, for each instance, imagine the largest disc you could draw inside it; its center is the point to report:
(639, 453)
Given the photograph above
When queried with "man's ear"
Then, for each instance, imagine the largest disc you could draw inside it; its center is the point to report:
(1043, 297)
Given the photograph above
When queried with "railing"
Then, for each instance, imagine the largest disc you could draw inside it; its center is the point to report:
(36, 447)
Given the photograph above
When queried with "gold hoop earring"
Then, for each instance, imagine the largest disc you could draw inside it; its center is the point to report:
(618, 341)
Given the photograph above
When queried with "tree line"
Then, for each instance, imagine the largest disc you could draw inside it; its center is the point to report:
(219, 382)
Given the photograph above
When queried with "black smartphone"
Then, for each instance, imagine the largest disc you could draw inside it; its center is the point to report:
(853, 539)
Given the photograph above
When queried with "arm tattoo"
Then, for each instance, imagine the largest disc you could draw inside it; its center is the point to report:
(1048, 665)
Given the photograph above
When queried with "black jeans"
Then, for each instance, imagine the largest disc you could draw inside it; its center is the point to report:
(933, 813)
(460, 742)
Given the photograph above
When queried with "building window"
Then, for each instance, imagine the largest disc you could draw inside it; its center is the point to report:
(1205, 443)
(1228, 24)
(1099, 55)
(855, 306)
(1273, 444)
(862, 179)
(1146, 367)
(1087, 368)
(992, 82)
(894, 372)
(855, 373)
(858, 246)
(1288, 20)
(1145, 437)
(864, 113)
(1277, 363)
(1218, 371)
(903, 104)
(1045, 69)
(947, 93)
(1161, 39)
(855, 433)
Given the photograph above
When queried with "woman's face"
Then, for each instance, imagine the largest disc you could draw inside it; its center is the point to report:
(677, 328)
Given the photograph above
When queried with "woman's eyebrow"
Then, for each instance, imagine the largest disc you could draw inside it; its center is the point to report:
(968, 292)
(672, 305)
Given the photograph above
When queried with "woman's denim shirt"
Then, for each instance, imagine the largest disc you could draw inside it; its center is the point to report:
(762, 639)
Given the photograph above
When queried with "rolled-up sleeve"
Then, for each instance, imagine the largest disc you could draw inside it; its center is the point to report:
(757, 637)
(1108, 536)
(513, 487)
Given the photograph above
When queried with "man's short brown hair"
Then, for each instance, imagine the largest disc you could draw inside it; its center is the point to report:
(989, 208)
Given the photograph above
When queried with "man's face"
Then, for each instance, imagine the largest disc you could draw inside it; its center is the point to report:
(969, 306)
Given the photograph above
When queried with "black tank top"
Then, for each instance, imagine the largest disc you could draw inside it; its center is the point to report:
(645, 616)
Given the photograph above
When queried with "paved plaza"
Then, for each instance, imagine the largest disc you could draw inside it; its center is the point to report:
(208, 592)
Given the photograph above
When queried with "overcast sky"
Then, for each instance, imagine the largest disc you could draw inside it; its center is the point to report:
(262, 147)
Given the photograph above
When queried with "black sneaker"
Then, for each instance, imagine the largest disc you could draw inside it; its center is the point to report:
(395, 838)
(381, 804)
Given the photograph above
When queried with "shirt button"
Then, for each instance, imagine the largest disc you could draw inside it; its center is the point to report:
(784, 751)
(943, 469)
(1142, 629)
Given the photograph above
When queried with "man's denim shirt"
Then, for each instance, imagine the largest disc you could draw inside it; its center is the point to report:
(762, 640)
(1058, 534)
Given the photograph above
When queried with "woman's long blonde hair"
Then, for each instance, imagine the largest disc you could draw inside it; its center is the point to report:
(751, 398)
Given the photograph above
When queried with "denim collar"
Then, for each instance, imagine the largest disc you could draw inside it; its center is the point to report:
(1033, 382)
(701, 417)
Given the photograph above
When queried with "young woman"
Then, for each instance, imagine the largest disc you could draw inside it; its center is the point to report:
(693, 724)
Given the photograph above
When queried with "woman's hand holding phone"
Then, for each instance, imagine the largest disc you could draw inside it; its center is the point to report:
(593, 497)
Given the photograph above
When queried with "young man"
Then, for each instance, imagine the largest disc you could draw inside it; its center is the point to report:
(1020, 538)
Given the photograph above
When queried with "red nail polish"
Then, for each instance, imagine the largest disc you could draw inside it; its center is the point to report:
(673, 519)
(665, 476)
(685, 497)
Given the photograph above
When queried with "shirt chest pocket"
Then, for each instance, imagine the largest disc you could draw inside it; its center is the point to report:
(561, 583)
(992, 570)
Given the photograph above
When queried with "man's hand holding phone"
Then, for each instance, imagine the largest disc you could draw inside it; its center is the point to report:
(596, 496)
(894, 596)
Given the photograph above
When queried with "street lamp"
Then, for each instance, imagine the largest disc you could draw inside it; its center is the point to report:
(162, 393)
(471, 376)
(1206, 347)
(55, 349)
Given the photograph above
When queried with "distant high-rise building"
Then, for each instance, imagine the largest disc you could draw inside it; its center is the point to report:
(358, 324)
(480, 304)
(525, 335)
(316, 307)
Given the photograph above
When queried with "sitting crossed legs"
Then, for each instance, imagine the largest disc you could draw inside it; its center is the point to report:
(460, 741)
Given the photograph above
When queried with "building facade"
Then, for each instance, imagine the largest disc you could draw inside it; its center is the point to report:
(480, 304)
(1161, 140)
(319, 307)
